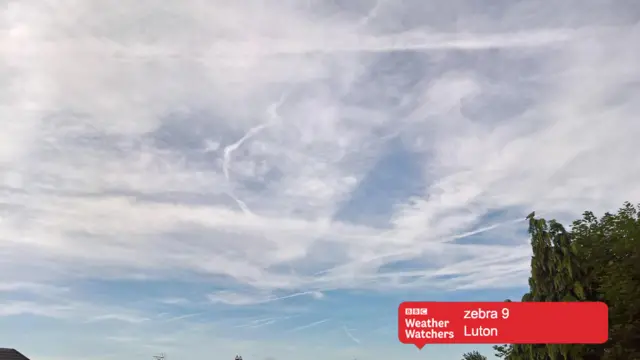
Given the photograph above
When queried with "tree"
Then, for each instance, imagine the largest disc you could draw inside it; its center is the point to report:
(598, 260)
(502, 351)
(556, 275)
(610, 249)
(474, 355)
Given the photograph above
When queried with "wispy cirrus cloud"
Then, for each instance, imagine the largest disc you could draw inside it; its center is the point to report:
(14, 308)
(32, 287)
(119, 317)
(254, 156)
(175, 301)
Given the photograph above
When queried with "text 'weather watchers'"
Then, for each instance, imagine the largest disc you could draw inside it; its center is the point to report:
(422, 323)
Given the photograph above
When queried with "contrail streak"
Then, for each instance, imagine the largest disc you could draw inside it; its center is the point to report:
(485, 229)
(182, 317)
(289, 296)
(271, 299)
(372, 14)
(233, 147)
(410, 41)
(414, 249)
(260, 323)
(272, 112)
(350, 335)
(309, 325)
(241, 204)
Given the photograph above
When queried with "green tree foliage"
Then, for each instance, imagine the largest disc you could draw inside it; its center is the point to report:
(474, 355)
(503, 351)
(597, 260)
(610, 249)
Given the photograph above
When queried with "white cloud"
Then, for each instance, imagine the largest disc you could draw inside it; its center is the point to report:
(14, 308)
(89, 190)
(128, 318)
(41, 289)
(175, 301)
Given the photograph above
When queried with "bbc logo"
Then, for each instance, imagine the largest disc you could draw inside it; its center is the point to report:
(415, 311)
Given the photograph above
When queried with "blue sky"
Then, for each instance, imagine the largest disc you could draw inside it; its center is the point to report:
(272, 178)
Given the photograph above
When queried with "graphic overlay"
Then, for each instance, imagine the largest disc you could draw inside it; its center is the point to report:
(422, 323)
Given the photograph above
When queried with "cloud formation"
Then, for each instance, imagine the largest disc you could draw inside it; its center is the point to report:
(286, 151)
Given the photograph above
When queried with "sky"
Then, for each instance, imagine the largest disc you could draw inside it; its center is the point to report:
(272, 178)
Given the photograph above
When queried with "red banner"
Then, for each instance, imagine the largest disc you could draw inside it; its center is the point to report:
(421, 323)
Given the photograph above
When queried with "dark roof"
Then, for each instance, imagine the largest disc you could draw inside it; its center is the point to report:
(11, 354)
